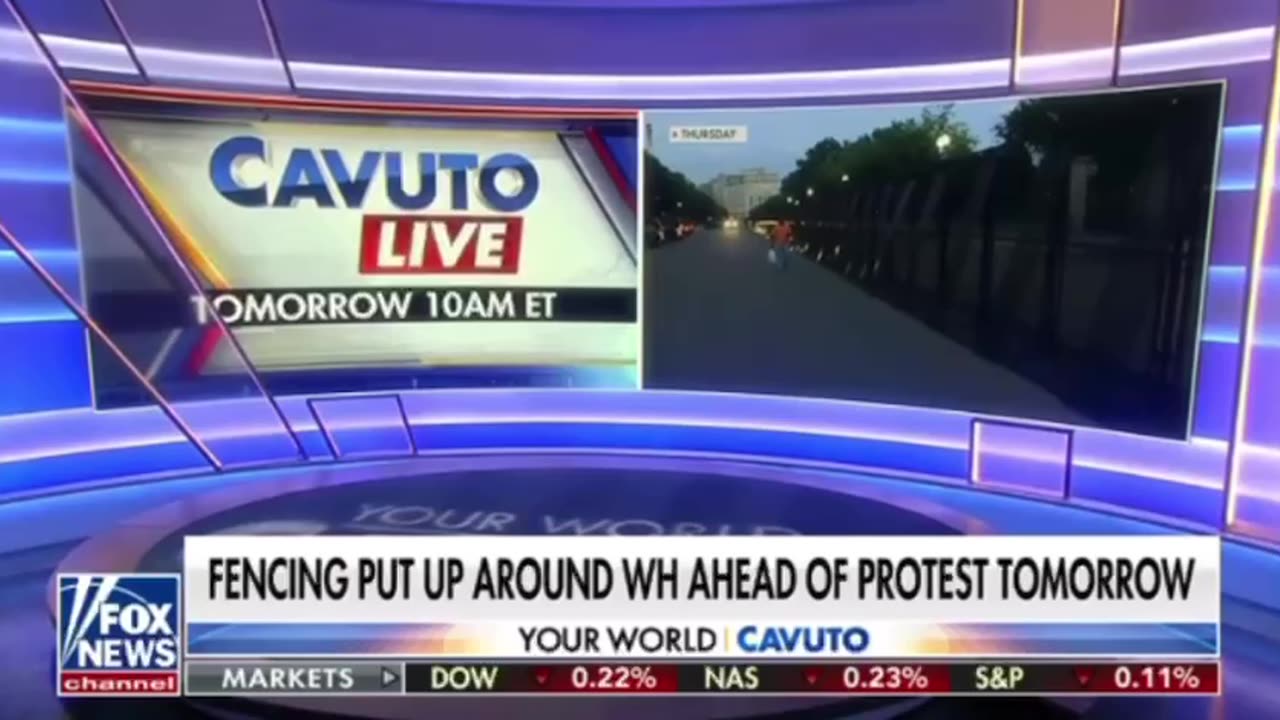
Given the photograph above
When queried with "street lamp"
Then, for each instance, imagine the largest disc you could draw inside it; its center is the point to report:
(943, 142)
(809, 192)
(844, 177)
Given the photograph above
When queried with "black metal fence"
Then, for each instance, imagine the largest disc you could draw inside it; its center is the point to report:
(1081, 275)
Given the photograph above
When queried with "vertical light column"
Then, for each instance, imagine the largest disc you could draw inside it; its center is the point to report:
(1065, 45)
(1252, 505)
(1179, 41)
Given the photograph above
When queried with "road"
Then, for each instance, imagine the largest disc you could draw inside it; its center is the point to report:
(718, 316)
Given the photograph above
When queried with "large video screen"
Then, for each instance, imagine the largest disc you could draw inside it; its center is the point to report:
(354, 253)
(1040, 258)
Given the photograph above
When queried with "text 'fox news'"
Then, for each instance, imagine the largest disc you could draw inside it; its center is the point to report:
(119, 635)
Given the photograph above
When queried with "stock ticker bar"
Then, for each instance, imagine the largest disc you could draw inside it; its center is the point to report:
(293, 677)
(1003, 677)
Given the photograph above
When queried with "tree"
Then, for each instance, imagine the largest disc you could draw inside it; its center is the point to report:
(1123, 136)
(774, 208)
(671, 194)
(900, 149)
(1118, 130)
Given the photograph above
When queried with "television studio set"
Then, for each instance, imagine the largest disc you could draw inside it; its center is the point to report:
(635, 359)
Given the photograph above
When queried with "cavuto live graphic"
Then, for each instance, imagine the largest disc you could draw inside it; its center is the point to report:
(404, 242)
(428, 244)
(119, 635)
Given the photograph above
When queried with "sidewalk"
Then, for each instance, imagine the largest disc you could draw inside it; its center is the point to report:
(718, 316)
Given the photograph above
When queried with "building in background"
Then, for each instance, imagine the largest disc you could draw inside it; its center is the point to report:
(738, 193)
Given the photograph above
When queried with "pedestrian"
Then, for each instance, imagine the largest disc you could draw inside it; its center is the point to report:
(780, 244)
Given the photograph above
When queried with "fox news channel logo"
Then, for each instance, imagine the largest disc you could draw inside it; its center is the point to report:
(118, 635)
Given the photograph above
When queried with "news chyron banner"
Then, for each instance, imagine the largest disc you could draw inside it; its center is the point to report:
(486, 251)
(702, 597)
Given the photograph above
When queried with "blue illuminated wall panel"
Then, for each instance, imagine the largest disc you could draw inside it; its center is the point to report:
(624, 147)
(41, 342)
(49, 373)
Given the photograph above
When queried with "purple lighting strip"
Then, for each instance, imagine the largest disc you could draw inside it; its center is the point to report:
(78, 53)
(1195, 464)
(83, 316)
(118, 166)
(1217, 49)
(991, 74)
(1074, 66)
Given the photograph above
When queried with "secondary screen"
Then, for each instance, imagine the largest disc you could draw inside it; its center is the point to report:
(1038, 258)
